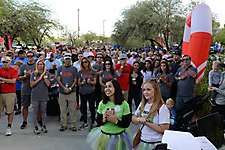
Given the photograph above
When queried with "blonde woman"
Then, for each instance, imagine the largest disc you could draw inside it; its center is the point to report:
(39, 82)
(87, 80)
(152, 114)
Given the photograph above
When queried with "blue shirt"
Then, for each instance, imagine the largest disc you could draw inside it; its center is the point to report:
(23, 60)
(18, 85)
(116, 46)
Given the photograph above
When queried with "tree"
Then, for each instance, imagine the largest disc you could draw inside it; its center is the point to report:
(71, 35)
(30, 21)
(89, 36)
(146, 20)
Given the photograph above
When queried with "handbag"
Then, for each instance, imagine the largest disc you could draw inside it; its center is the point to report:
(137, 137)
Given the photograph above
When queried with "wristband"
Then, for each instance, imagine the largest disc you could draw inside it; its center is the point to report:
(70, 88)
(82, 82)
(0, 79)
(186, 69)
(90, 82)
(3, 82)
(25, 76)
(179, 78)
(44, 77)
(138, 119)
(116, 122)
(121, 67)
(165, 82)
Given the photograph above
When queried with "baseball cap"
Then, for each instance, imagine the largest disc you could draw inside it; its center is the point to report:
(91, 54)
(6, 59)
(67, 55)
(49, 55)
(122, 56)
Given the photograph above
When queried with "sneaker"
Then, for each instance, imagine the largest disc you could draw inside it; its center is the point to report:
(73, 129)
(43, 129)
(92, 126)
(83, 127)
(62, 128)
(36, 130)
(18, 112)
(81, 118)
(8, 132)
(23, 125)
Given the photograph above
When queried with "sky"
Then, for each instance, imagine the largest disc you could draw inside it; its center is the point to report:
(93, 12)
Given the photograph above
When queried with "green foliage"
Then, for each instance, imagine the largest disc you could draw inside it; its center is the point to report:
(31, 21)
(220, 36)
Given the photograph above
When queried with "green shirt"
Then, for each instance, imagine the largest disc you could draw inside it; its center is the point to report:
(120, 110)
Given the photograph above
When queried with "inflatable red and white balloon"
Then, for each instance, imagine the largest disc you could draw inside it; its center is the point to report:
(197, 37)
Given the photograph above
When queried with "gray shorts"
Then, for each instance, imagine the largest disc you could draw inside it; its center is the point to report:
(25, 100)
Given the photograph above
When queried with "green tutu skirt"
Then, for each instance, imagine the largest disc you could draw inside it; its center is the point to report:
(146, 146)
(103, 141)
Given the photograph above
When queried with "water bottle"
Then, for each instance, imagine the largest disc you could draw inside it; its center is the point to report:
(67, 86)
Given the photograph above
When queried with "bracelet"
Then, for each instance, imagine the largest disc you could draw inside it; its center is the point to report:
(122, 67)
(25, 76)
(116, 122)
(45, 77)
(138, 119)
(186, 69)
(82, 82)
(179, 78)
(3, 82)
(70, 88)
(90, 82)
(165, 82)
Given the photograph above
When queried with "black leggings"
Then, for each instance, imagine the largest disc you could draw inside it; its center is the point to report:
(91, 100)
(18, 96)
(133, 95)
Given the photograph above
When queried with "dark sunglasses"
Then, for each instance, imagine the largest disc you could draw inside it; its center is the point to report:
(99, 57)
(185, 59)
(30, 55)
(4, 62)
(107, 63)
(84, 62)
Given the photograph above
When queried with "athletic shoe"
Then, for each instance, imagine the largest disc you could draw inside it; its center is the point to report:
(83, 127)
(36, 130)
(23, 125)
(43, 129)
(62, 128)
(92, 126)
(18, 112)
(8, 132)
(73, 129)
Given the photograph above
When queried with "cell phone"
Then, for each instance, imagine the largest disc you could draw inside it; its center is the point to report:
(110, 111)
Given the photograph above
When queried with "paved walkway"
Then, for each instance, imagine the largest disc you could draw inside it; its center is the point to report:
(25, 139)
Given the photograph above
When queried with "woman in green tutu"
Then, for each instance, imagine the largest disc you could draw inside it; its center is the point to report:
(153, 115)
(113, 119)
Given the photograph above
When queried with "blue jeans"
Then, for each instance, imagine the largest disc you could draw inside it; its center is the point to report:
(180, 100)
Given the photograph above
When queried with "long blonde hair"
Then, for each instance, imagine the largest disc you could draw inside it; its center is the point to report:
(157, 99)
(89, 65)
(36, 71)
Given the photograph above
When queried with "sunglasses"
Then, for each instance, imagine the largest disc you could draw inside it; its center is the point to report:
(107, 63)
(4, 62)
(185, 59)
(30, 55)
(84, 62)
(99, 57)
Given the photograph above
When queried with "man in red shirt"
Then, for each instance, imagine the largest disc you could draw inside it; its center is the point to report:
(8, 76)
(123, 70)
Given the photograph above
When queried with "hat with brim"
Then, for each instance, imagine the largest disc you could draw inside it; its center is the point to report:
(5, 59)
(91, 54)
(122, 56)
(67, 56)
(222, 65)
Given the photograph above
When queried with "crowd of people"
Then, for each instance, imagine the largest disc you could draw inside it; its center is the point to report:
(109, 79)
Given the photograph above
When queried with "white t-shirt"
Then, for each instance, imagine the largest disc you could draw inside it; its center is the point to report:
(148, 134)
(147, 75)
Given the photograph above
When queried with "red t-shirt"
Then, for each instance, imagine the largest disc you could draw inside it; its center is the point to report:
(94, 53)
(123, 79)
(12, 73)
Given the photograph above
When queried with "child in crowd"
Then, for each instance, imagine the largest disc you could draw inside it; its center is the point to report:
(215, 78)
(53, 81)
(17, 65)
(170, 105)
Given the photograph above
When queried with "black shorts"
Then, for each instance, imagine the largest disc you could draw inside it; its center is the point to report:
(25, 100)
